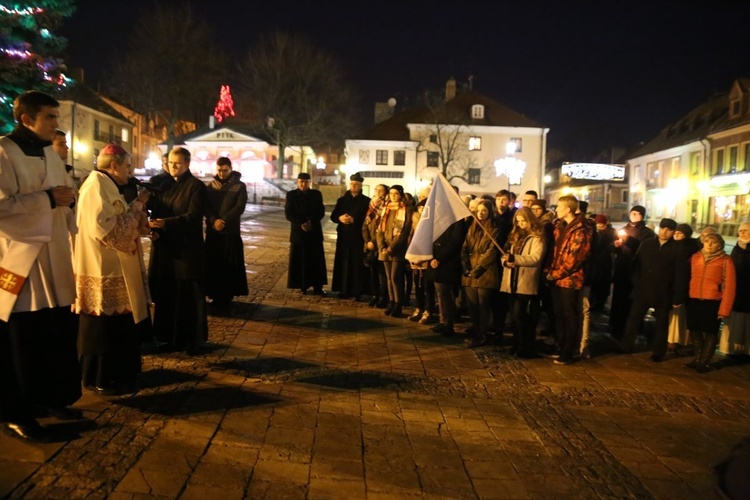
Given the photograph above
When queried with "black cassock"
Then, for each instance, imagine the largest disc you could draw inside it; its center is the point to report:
(225, 255)
(349, 273)
(175, 274)
(307, 262)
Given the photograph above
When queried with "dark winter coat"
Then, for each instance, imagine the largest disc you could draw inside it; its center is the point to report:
(741, 259)
(447, 251)
(654, 272)
(226, 200)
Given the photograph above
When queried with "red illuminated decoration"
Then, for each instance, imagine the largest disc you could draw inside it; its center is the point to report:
(225, 107)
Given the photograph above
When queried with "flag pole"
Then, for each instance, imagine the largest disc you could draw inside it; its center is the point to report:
(488, 234)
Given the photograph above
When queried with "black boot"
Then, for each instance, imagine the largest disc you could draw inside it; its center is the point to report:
(389, 309)
(396, 311)
(696, 338)
(709, 347)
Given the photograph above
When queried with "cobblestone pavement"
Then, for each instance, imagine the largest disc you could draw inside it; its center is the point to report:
(310, 397)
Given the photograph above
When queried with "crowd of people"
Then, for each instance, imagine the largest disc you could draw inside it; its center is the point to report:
(507, 266)
(76, 301)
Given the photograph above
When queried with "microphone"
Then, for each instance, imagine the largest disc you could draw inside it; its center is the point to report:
(147, 185)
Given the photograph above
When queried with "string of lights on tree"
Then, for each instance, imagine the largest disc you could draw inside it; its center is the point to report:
(29, 51)
(225, 107)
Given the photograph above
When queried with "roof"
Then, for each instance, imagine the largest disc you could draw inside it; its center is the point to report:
(496, 114)
(695, 125)
(81, 94)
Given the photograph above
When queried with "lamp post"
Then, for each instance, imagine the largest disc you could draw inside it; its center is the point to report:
(510, 166)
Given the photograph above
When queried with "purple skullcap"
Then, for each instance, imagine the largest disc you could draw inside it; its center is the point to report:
(113, 149)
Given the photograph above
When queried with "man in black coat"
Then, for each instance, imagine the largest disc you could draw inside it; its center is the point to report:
(625, 247)
(349, 271)
(307, 263)
(225, 253)
(655, 267)
(445, 271)
(175, 274)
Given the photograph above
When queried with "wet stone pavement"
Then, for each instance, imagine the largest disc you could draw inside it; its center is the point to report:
(315, 397)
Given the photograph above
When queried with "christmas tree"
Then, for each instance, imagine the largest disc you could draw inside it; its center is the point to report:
(225, 107)
(29, 51)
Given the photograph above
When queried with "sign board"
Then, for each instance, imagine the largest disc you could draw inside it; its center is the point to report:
(594, 171)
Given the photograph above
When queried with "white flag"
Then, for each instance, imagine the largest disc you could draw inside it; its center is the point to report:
(443, 208)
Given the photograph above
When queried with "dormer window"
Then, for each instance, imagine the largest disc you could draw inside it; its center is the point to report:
(477, 111)
(734, 108)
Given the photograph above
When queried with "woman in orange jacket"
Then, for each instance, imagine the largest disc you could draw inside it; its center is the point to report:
(711, 294)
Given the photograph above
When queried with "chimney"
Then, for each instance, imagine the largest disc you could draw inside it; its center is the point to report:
(383, 111)
(450, 89)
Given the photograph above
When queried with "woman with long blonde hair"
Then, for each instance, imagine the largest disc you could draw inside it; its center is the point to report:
(523, 262)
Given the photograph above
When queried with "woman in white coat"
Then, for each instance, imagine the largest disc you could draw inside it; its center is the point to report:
(522, 262)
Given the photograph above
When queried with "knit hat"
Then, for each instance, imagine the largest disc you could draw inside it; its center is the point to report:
(304, 176)
(539, 203)
(601, 219)
(399, 188)
(668, 223)
(715, 236)
(684, 229)
(640, 209)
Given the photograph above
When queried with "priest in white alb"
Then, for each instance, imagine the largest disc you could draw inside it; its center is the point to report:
(112, 297)
(38, 366)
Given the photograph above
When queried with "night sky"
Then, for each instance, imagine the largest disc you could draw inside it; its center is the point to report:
(599, 74)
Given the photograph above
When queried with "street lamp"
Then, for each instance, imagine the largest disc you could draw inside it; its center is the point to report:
(510, 166)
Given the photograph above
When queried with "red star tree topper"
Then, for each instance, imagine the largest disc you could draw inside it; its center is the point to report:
(225, 107)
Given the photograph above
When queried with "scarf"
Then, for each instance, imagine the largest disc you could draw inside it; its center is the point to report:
(708, 257)
(390, 208)
(376, 204)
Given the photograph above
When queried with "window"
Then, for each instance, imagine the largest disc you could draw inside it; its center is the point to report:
(111, 133)
(733, 154)
(381, 157)
(433, 138)
(375, 174)
(477, 111)
(735, 108)
(433, 158)
(125, 135)
(695, 163)
(519, 144)
(718, 166)
(475, 175)
(364, 156)
(399, 157)
(96, 130)
(475, 143)
(624, 198)
(746, 157)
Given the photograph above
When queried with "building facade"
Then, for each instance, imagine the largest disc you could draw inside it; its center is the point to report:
(466, 137)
